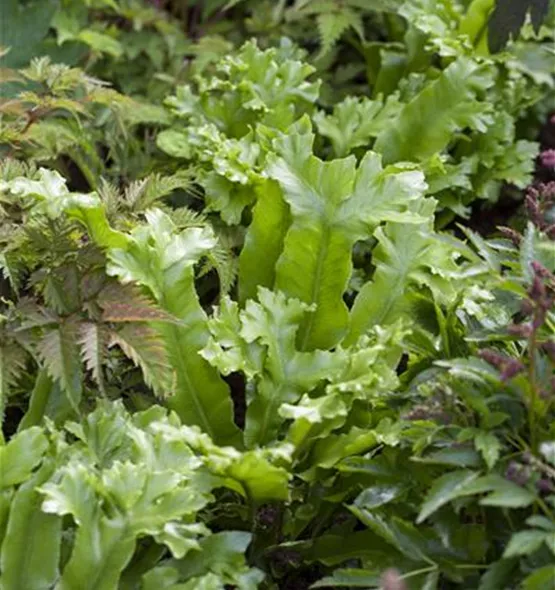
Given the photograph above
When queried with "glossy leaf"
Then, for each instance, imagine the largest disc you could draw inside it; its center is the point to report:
(525, 543)
(21, 455)
(445, 489)
(261, 342)
(356, 121)
(30, 552)
(333, 204)
(161, 259)
(540, 579)
(263, 241)
(448, 105)
(407, 256)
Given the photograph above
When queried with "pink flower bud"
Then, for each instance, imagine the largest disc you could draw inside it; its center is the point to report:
(547, 158)
(391, 580)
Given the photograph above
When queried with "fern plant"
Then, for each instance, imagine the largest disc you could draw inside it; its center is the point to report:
(459, 122)
(241, 342)
(66, 314)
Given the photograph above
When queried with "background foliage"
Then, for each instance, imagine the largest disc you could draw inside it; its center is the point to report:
(277, 294)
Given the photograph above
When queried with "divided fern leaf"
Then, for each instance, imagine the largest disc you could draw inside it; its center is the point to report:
(334, 204)
(144, 345)
(93, 338)
(125, 303)
(58, 350)
(331, 25)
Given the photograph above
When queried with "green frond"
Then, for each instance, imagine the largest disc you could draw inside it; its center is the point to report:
(331, 25)
(185, 217)
(11, 269)
(13, 359)
(224, 262)
(158, 186)
(11, 168)
(58, 351)
(144, 193)
(93, 339)
(110, 196)
(144, 346)
(126, 303)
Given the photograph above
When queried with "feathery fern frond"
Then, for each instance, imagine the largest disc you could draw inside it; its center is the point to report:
(11, 269)
(224, 262)
(93, 338)
(331, 25)
(159, 186)
(185, 217)
(145, 348)
(58, 350)
(144, 193)
(13, 359)
(126, 303)
(110, 196)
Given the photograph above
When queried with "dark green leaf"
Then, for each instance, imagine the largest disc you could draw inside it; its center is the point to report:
(445, 489)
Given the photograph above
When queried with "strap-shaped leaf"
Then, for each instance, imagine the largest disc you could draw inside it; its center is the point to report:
(40, 400)
(20, 456)
(333, 204)
(401, 258)
(129, 482)
(261, 342)
(444, 107)
(162, 259)
(355, 121)
(264, 241)
(30, 552)
(253, 473)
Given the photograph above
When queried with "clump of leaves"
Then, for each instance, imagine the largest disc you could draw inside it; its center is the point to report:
(64, 310)
(59, 115)
(279, 280)
(458, 121)
(479, 430)
(133, 44)
(130, 486)
(225, 123)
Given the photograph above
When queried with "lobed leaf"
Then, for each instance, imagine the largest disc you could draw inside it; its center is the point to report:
(449, 104)
(30, 552)
(161, 259)
(333, 204)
